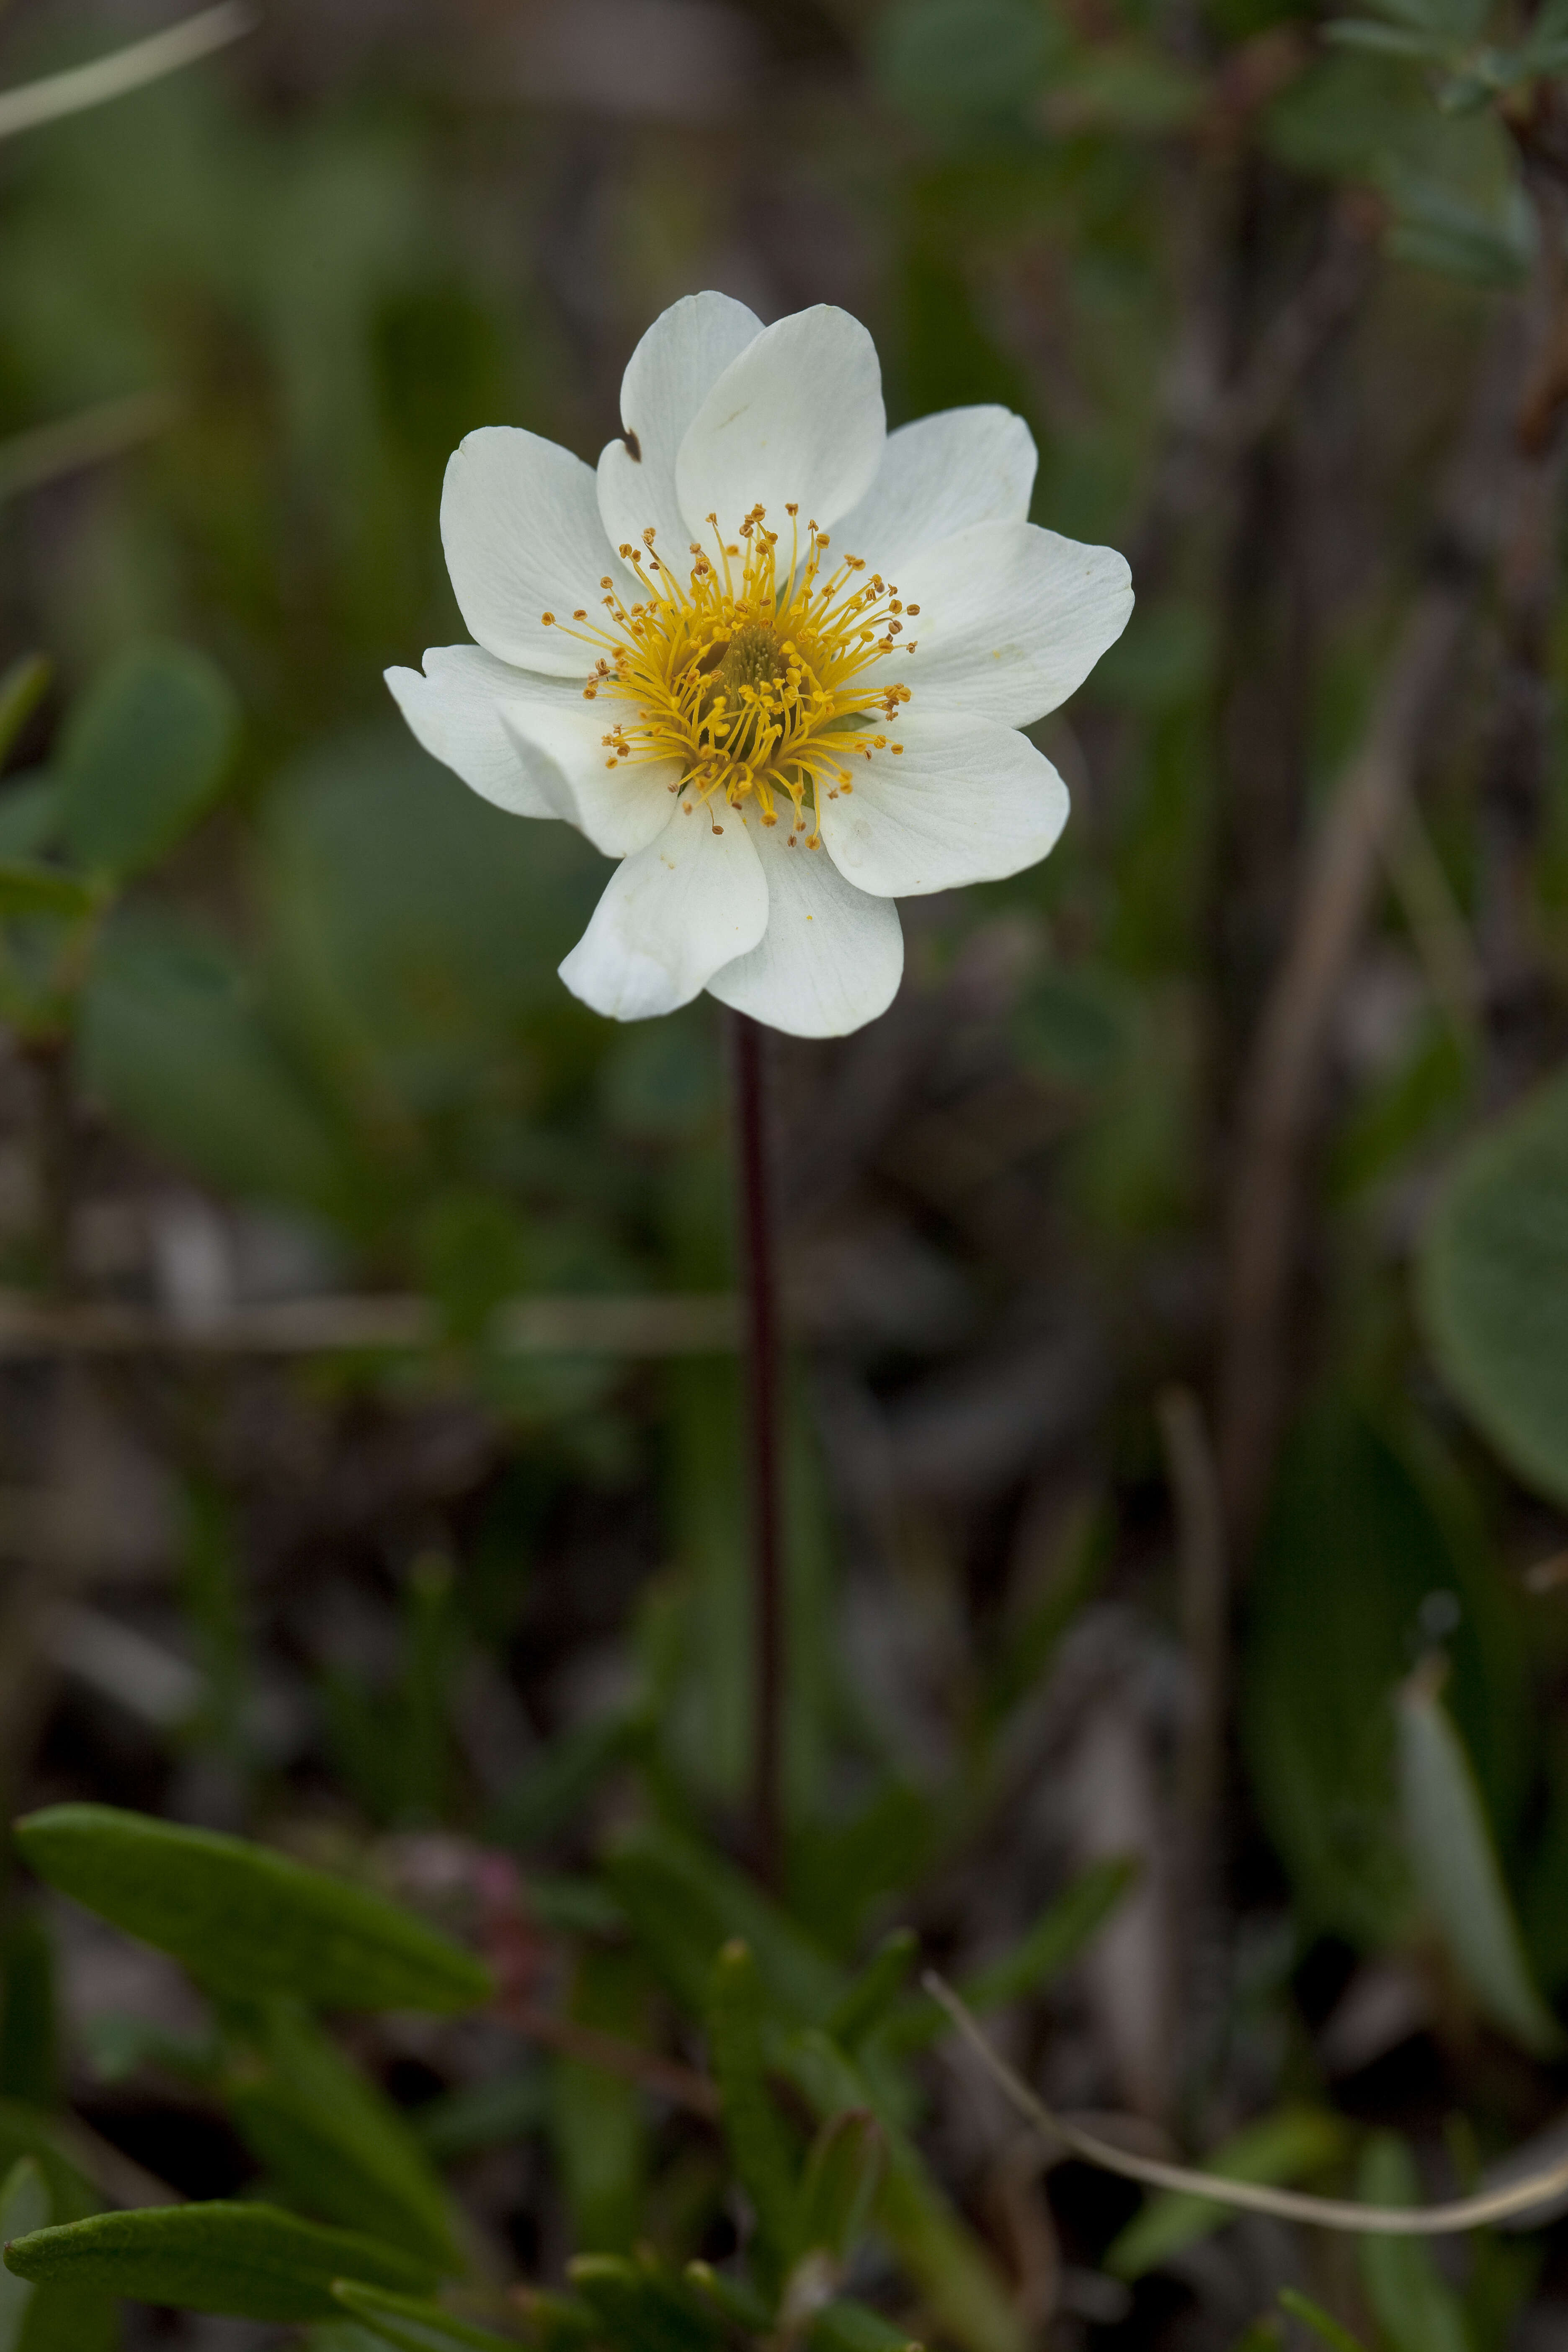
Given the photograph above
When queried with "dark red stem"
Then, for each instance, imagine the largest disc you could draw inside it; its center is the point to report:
(760, 1285)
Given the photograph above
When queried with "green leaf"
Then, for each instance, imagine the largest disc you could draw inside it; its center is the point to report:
(29, 2039)
(1414, 2307)
(873, 1991)
(175, 1043)
(333, 2143)
(641, 2307)
(684, 1902)
(555, 1784)
(1363, 1543)
(598, 2120)
(957, 2280)
(32, 2131)
(844, 2170)
(246, 1921)
(143, 756)
(22, 687)
(1287, 2145)
(253, 2261)
(23, 2207)
(759, 2144)
(1057, 1937)
(29, 813)
(1458, 1872)
(26, 888)
(844, 2325)
(1312, 2314)
(414, 2323)
(1494, 1287)
(486, 2114)
(964, 60)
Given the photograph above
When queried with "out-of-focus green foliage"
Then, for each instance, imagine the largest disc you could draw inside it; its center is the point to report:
(1495, 1286)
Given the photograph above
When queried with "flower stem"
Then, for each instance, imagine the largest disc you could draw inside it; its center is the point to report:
(759, 1281)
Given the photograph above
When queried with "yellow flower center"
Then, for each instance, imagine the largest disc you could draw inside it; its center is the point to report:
(752, 676)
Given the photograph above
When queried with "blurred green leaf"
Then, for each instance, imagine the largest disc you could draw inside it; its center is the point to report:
(1057, 1937)
(639, 2306)
(332, 2143)
(1361, 1564)
(844, 2325)
(844, 2170)
(561, 1779)
(33, 2132)
(759, 2145)
(685, 1902)
(967, 60)
(1494, 1286)
(1323, 2325)
(1457, 1870)
(29, 814)
(1438, 227)
(31, 889)
(1414, 2307)
(23, 2207)
(487, 2113)
(413, 2324)
(22, 687)
(29, 2037)
(174, 1041)
(596, 2119)
(1289, 2145)
(871, 1997)
(143, 756)
(251, 2261)
(245, 1920)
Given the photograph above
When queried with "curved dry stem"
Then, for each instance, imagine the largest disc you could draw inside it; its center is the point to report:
(125, 70)
(1251, 2196)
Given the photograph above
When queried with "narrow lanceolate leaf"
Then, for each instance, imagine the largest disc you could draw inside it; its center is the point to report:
(1057, 1937)
(251, 2261)
(848, 2327)
(1457, 1870)
(639, 2306)
(333, 2143)
(1289, 2145)
(1324, 2326)
(414, 2323)
(246, 1921)
(22, 688)
(23, 2207)
(842, 2180)
(874, 1990)
(143, 754)
(26, 888)
(1415, 2308)
(1494, 1286)
(752, 2126)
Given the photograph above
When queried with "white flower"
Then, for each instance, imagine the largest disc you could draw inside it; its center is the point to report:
(771, 657)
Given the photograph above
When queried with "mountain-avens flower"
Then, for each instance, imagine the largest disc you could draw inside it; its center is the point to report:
(771, 656)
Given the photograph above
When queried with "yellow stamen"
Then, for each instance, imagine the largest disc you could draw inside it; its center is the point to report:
(754, 677)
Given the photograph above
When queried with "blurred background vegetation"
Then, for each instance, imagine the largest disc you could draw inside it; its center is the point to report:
(1177, 1275)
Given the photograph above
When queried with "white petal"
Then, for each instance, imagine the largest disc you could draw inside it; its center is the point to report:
(520, 523)
(1012, 619)
(456, 710)
(939, 475)
(683, 353)
(831, 957)
(694, 899)
(797, 418)
(966, 801)
(620, 809)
